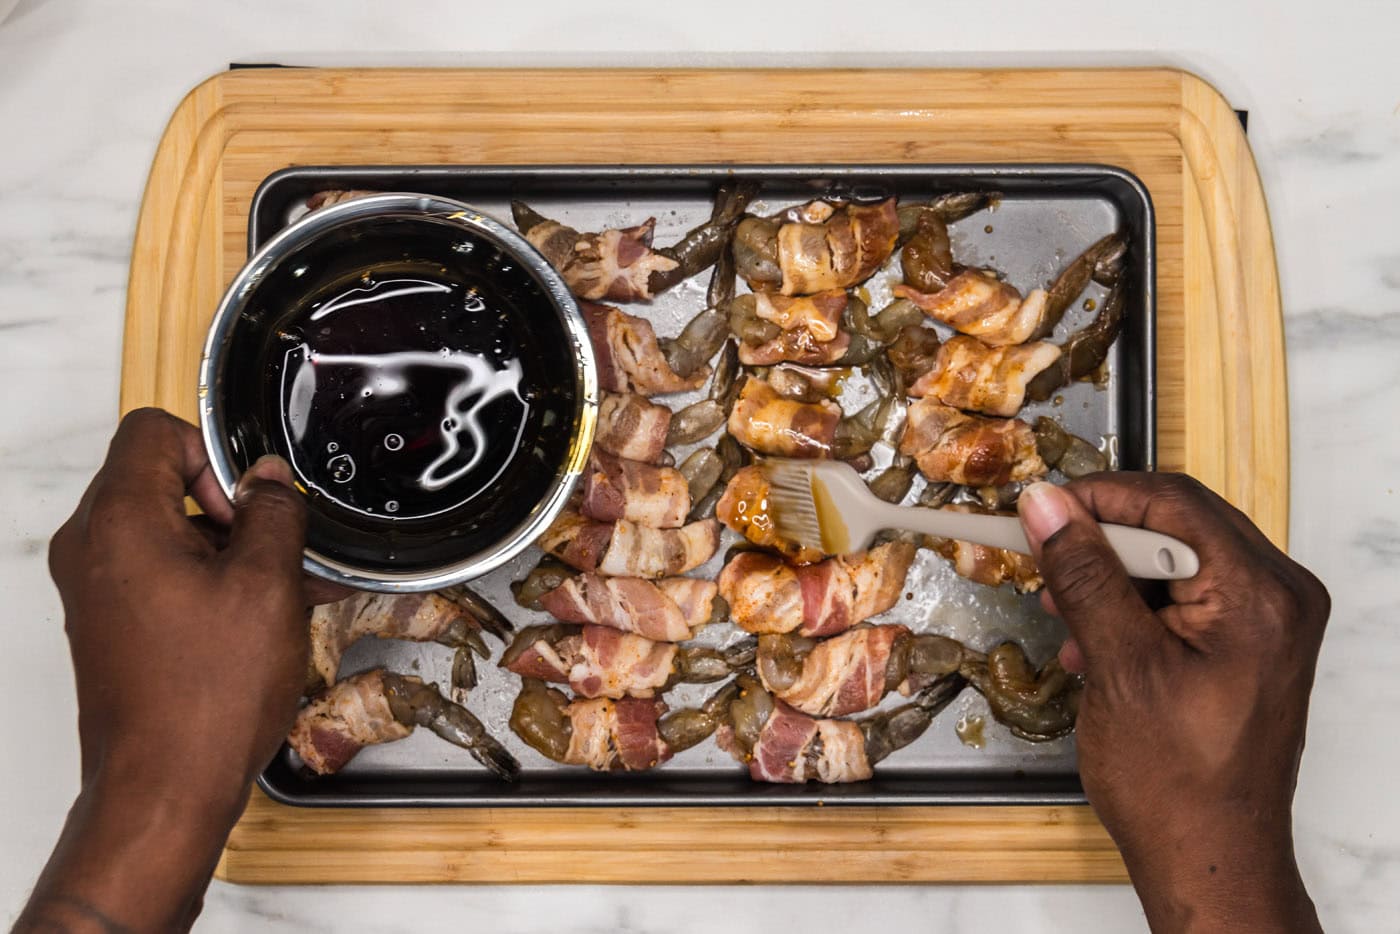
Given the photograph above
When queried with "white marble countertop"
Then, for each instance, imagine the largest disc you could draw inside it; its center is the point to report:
(86, 87)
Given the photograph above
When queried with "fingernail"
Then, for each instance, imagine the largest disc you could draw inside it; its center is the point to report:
(1043, 510)
(268, 467)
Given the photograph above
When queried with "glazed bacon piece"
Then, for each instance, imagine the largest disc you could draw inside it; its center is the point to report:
(616, 265)
(625, 549)
(765, 594)
(967, 374)
(816, 247)
(982, 306)
(794, 748)
(629, 358)
(990, 566)
(381, 707)
(744, 508)
(620, 265)
(978, 304)
(667, 610)
(630, 426)
(593, 660)
(615, 488)
(771, 424)
(809, 329)
(952, 446)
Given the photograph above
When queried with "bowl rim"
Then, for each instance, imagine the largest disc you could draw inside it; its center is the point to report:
(317, 223)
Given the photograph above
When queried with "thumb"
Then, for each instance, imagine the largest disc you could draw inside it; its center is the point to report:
(1092, 593)
(269, 520)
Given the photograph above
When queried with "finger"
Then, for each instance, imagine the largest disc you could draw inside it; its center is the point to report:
(1071, 657)
(1172, 503)
(213, 532)
(319, 591)
(155, 459)
(269, 521)
(1047, 603)
(1092, 592)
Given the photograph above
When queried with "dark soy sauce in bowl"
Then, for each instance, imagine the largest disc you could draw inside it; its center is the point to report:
(420, 383)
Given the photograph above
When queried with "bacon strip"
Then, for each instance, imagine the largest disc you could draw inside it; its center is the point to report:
(967, 374)
(797, 346)
(949, 445)
(342, 720)
(765, 594)
(324, 199)
(614, 488)
(615, 264)
(413, 617)
(844, 674)
(819, 315)
(771, 424)
(983, 307)
(632, 427)
(629, 358)
(668, 610)
(794, 748)
(638, 551)
(625, 549)
(620, 734)
(744, 508)
(990, 566)
(599, 662)
(841, 251)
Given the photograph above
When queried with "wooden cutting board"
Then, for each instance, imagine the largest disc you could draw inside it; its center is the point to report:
(1222, 410)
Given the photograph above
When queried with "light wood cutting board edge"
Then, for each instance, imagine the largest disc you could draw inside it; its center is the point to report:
(1222, 387)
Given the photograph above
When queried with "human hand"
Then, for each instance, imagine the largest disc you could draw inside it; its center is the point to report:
(189, 659)
(1196, 697)
(189, 649)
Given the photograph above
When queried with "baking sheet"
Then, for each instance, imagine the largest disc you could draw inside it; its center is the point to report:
(1047, 216)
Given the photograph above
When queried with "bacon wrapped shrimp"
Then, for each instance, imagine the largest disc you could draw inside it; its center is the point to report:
(766, 594)
(744, 507)
(976, 303)
(949, 445)
(632, 426)
(854, 670)
(771, 424)
(600, 662)
(779, 743)
(629, 734)
(455, 617)
(380, 707)
(615, 488)
(629, 358)
(621, 265)
(967, 374)
(815, 247)
(625, 549)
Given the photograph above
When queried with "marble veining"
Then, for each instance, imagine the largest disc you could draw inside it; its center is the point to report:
(86, 87)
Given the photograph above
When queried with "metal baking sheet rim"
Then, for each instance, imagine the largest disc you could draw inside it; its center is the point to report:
(589, 790)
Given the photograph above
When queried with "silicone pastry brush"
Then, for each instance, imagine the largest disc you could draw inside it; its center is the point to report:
(825, 504)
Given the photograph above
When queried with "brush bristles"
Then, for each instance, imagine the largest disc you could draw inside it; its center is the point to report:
(790, 502)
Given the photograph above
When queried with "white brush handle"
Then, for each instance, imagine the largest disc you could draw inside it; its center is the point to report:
(1145, 554)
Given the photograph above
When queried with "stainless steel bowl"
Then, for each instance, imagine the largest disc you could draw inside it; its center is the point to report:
(370, 553)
